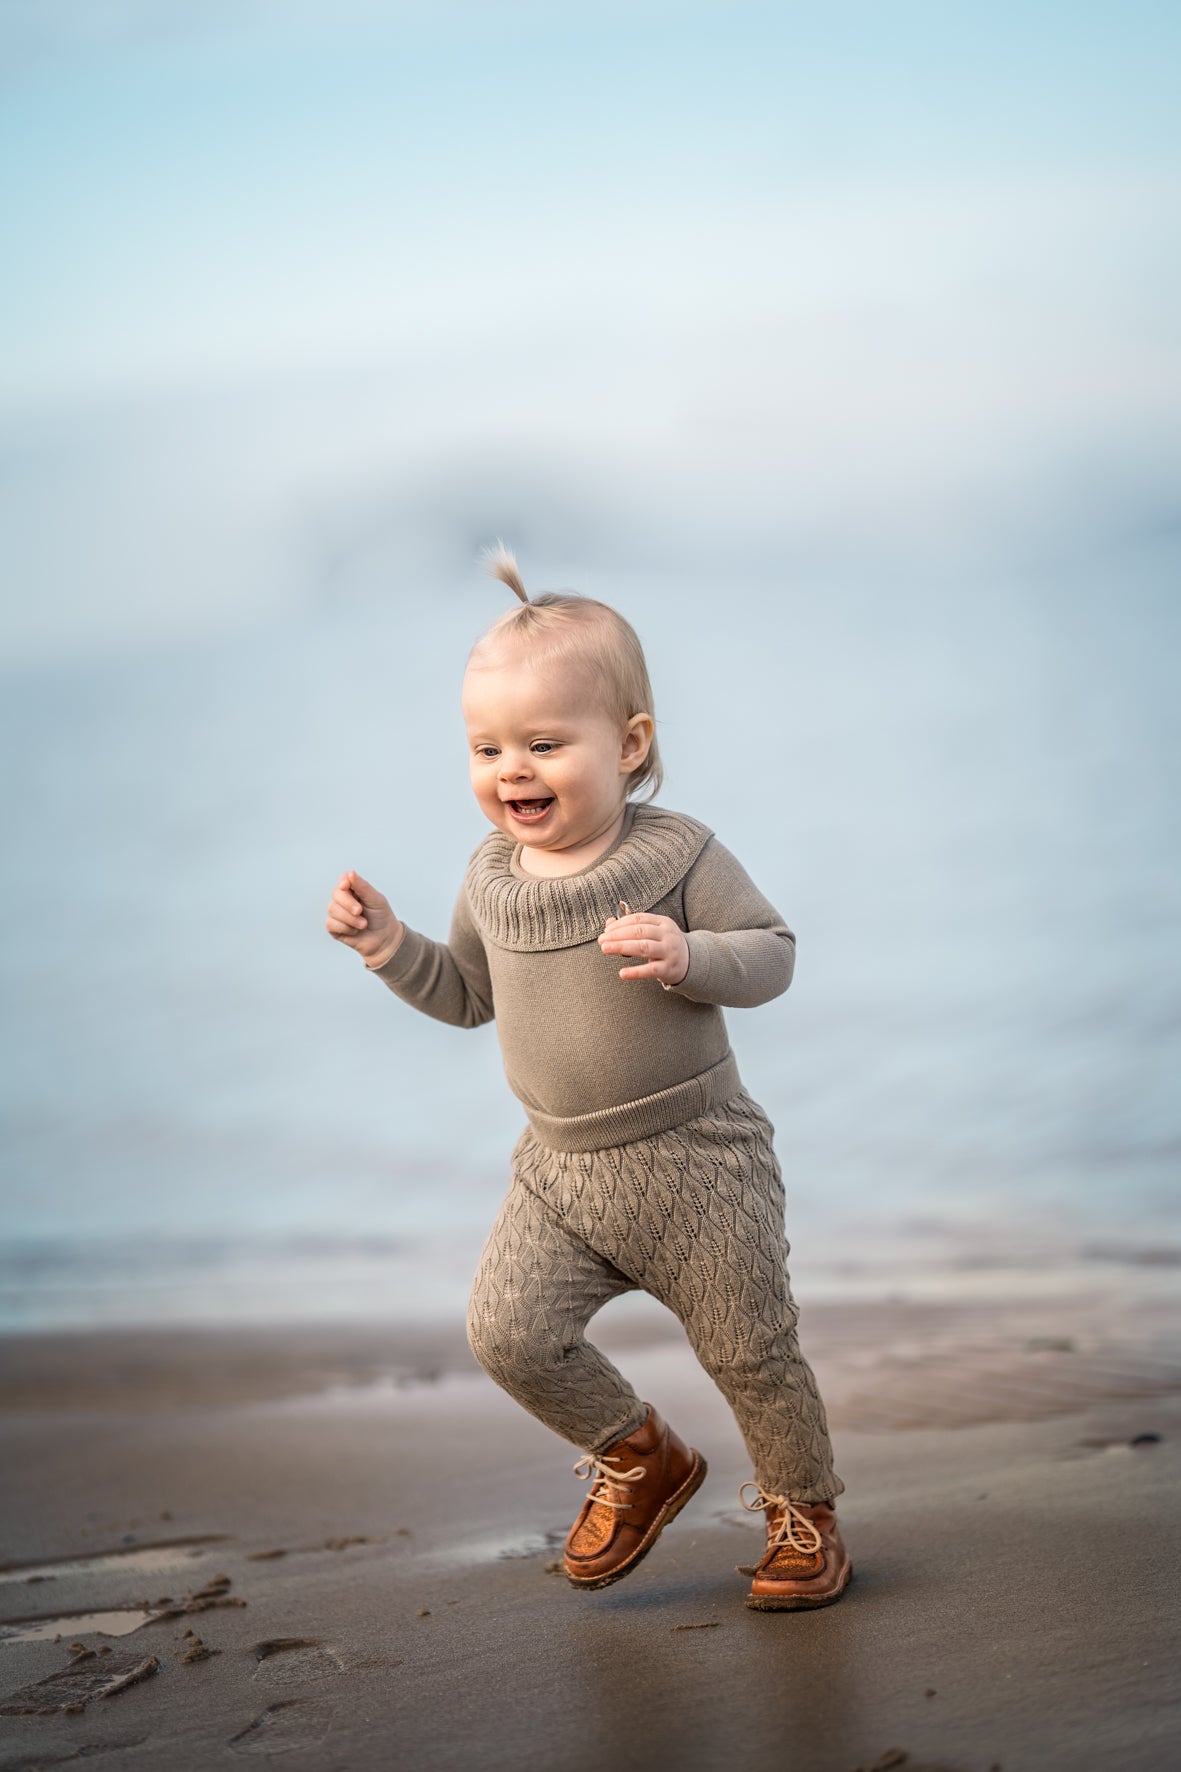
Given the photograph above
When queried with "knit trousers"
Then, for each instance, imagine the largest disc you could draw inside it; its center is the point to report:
(694, 1216)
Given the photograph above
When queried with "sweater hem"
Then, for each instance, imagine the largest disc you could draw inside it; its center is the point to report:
(642, 1118)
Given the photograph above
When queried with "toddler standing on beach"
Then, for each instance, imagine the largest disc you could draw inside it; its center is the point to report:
(644, 1164)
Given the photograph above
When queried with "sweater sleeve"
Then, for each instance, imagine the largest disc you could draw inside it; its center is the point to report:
(449, 981)
(741, 952)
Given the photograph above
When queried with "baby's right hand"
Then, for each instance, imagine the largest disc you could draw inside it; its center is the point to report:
(361, 917)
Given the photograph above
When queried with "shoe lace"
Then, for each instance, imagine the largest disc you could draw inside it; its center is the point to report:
(596, 1470)
(792, 1519)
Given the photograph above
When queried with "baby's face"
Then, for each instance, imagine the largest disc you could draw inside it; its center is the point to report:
(549, 765)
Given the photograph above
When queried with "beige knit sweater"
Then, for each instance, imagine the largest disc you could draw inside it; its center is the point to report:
(597, 1059)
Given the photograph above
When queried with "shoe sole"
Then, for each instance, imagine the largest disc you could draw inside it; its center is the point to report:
(798, 1602)
(669, 1511)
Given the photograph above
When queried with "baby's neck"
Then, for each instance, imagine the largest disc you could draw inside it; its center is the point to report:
(551, 864)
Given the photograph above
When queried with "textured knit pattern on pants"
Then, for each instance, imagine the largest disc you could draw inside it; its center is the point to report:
(694, 1216)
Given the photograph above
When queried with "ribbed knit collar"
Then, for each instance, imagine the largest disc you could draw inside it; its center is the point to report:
(654, 851)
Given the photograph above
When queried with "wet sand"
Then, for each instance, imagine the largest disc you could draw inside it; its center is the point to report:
(334, 1544)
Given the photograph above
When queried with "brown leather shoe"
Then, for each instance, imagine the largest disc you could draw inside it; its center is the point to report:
(637, 1487)
(805, 1563)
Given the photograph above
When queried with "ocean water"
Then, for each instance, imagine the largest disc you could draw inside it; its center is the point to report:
(960, 791)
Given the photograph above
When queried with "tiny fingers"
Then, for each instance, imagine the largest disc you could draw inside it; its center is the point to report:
(346, 911)
(653, 943)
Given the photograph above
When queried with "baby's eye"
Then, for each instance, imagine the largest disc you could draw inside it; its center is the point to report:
(544, 744)
(485, 750)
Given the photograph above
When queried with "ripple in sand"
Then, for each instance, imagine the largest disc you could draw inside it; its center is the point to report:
(165, 1555)
(118, 1623)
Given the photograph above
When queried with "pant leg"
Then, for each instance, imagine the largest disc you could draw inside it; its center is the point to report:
(696, 1216)
(536, 1288)
(734, 1297)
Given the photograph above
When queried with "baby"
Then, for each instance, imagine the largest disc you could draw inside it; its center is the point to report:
(644, 1164)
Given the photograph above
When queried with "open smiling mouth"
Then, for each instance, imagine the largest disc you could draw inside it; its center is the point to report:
(530, 811)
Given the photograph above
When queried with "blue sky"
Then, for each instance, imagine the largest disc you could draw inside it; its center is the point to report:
(901, 271)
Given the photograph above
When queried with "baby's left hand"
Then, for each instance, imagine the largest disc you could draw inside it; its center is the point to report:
(658, 940)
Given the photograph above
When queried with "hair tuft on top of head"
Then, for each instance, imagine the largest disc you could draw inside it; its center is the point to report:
(501, 563)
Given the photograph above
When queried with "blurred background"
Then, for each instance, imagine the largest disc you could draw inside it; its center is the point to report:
(838, 347)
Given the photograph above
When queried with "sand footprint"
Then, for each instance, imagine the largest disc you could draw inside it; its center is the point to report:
(287, 1660)
(289, 1726)
(83, 1678)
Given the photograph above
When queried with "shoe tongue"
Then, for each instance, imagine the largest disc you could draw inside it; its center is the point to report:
(788, 1561)
(593, 1533)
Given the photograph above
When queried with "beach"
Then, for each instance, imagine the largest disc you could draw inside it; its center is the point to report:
(338, 1544)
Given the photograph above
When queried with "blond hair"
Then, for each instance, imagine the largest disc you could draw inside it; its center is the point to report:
(565, 625)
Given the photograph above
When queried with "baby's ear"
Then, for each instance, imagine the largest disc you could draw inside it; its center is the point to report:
(637, 741)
